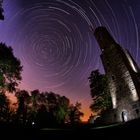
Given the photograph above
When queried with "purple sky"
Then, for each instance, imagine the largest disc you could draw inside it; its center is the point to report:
(52, 38)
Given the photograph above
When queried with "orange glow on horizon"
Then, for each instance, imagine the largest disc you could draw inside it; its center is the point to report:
(87, 112)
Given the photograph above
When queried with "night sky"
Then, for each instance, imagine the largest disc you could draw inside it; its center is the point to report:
(57, 49)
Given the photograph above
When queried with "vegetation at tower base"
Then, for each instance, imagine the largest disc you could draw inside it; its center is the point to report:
(99, 92)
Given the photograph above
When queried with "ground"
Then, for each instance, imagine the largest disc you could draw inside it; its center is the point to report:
(116, 131)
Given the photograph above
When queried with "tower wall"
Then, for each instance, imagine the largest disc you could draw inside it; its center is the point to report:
(121, 71)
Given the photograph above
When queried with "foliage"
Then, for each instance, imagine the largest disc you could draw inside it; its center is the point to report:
(99, 92)
(23, 99)
(10, 69)
(75, 113)
(1, 11)
(44, 109)
(4, 107)
(47, 109)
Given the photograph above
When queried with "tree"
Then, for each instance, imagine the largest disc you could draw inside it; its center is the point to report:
(99, 92)
(23, 102)
(34, 95)
(43, 117)
(50, 109)
(61, 109)
(4, 107)
(75, 113)
(53, 106)
(10, 69)
(1, 10)
(38, 102)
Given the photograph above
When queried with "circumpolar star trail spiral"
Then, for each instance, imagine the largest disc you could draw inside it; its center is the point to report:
(54, 41)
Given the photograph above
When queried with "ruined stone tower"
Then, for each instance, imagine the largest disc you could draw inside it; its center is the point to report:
(122, 73)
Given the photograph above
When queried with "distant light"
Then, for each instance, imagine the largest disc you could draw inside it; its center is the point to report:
(33, 123)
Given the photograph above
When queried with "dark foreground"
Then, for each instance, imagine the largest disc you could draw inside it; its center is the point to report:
(129, 130)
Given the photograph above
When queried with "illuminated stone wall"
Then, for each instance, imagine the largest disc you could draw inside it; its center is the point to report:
(121, 71)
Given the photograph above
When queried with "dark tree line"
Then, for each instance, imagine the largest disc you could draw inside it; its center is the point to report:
(40, 109)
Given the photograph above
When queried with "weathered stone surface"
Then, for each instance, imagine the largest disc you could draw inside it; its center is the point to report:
(122, 73)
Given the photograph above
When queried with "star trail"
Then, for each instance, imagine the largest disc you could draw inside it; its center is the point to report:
(55, 43)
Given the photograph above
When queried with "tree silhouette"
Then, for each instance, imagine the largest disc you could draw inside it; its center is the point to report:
(46, 104)
(34, 95)
(4, 107)
(1, 10)
(10, 69)
(99, 92)
(23, 101)
(61, 109)
(38, 100)
(75, 113)
(50, 109)
(53, 106)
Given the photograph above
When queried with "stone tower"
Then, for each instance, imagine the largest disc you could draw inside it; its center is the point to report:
(123, 77)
